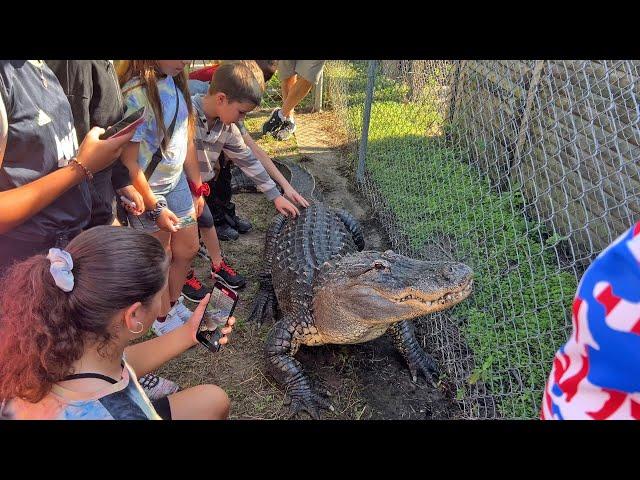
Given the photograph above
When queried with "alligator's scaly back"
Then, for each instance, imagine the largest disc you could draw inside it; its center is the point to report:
(303, 245)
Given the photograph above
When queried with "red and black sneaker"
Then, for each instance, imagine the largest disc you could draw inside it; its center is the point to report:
(193, 288)
(227, 275)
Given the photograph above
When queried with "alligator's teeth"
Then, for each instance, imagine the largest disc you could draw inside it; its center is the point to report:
(447, 297)
(427, 303)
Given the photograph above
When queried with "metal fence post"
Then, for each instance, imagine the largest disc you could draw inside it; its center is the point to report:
(317, 93)
(366, 118)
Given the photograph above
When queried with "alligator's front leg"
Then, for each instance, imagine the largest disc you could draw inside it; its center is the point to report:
(282, 344)
(418, 360)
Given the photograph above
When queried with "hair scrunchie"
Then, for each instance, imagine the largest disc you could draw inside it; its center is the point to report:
(61, 266)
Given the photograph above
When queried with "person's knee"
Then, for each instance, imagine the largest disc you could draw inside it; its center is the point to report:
(217, 400)
(186, 247)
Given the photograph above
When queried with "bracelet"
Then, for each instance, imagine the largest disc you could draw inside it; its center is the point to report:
(87, 172)
(155, 213)
(203, 189)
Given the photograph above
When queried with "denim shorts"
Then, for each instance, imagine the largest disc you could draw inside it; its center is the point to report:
(179, 201)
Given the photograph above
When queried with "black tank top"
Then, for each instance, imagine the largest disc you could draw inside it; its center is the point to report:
(41, 138)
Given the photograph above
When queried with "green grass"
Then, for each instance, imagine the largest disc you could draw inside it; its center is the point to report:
(517, 316)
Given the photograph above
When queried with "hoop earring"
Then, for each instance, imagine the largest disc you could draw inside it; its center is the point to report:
(139, 331)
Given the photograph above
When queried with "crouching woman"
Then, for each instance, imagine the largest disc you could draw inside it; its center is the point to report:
(66, 323)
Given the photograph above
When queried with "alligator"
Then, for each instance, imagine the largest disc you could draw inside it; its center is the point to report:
(329, 290)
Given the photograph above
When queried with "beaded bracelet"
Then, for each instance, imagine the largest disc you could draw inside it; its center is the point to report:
(87, 172)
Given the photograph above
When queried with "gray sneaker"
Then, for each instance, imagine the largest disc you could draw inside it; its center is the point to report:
(285, 132)
(273, 124)
(157, 387)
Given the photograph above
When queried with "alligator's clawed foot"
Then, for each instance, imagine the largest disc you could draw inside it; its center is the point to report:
(309, 402)
(264, 309)
(422, 363)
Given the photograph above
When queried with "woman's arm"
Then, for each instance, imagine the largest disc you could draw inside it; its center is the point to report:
(19, 204)
(191, 167)
(192, 171)
(138, 180)
(145, 357)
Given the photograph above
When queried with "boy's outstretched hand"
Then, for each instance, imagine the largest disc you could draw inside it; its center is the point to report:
(285, 207)
(194, 321)
(295, 197)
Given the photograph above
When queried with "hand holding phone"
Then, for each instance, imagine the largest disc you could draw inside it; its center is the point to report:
(221, 304)
(124, 126)
(128, 203)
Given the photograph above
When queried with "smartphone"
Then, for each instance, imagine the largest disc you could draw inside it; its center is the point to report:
(124, 126)
(221, 304)
(186, 221)
(126, 201)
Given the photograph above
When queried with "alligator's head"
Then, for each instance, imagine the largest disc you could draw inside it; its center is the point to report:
(381, 288)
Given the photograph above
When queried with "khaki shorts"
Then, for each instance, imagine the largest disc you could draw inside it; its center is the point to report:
(310, 70)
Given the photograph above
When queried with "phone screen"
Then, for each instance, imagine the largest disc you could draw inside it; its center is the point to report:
(220, 307)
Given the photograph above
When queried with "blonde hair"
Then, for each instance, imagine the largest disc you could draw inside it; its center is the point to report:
(148, 73)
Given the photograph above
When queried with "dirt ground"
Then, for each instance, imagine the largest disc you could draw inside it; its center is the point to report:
(366, 381)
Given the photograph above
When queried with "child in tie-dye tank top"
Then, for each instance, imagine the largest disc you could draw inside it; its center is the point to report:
(160, 86)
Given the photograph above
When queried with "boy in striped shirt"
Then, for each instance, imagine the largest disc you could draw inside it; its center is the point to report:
(234, 91)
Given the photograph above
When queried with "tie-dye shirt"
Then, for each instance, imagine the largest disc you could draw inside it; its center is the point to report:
(596, 374)
(169, 169)
(124, 400)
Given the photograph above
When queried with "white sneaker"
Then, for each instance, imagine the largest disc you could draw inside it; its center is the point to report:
(183, 312)
(157, 387)
(172, 322)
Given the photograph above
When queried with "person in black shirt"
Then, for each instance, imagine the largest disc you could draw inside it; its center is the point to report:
(93, 91)
(44, 199)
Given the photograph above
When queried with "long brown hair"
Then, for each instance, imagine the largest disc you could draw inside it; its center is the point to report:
(44, 330)
(148, 73)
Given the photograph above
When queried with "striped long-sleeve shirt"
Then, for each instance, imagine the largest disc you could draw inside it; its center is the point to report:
(228, 139)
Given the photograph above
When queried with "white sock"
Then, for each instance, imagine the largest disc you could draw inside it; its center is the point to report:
(283, 118)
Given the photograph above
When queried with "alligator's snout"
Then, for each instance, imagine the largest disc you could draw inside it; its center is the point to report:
(451, 271)
(388, 287)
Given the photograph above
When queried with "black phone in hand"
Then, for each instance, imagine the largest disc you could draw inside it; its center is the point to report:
(221, 304)
(124, 126)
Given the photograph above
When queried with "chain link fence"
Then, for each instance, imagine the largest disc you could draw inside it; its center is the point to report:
(525, 170)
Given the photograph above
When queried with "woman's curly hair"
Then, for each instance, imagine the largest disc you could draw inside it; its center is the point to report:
(44, 330)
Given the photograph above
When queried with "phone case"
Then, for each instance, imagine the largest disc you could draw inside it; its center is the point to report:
(210, 341)
(132, 121)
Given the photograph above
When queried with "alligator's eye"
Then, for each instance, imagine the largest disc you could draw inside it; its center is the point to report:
(379, 265)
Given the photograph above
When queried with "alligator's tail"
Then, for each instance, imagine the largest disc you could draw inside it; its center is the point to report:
(301, 180)
(298, 176)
